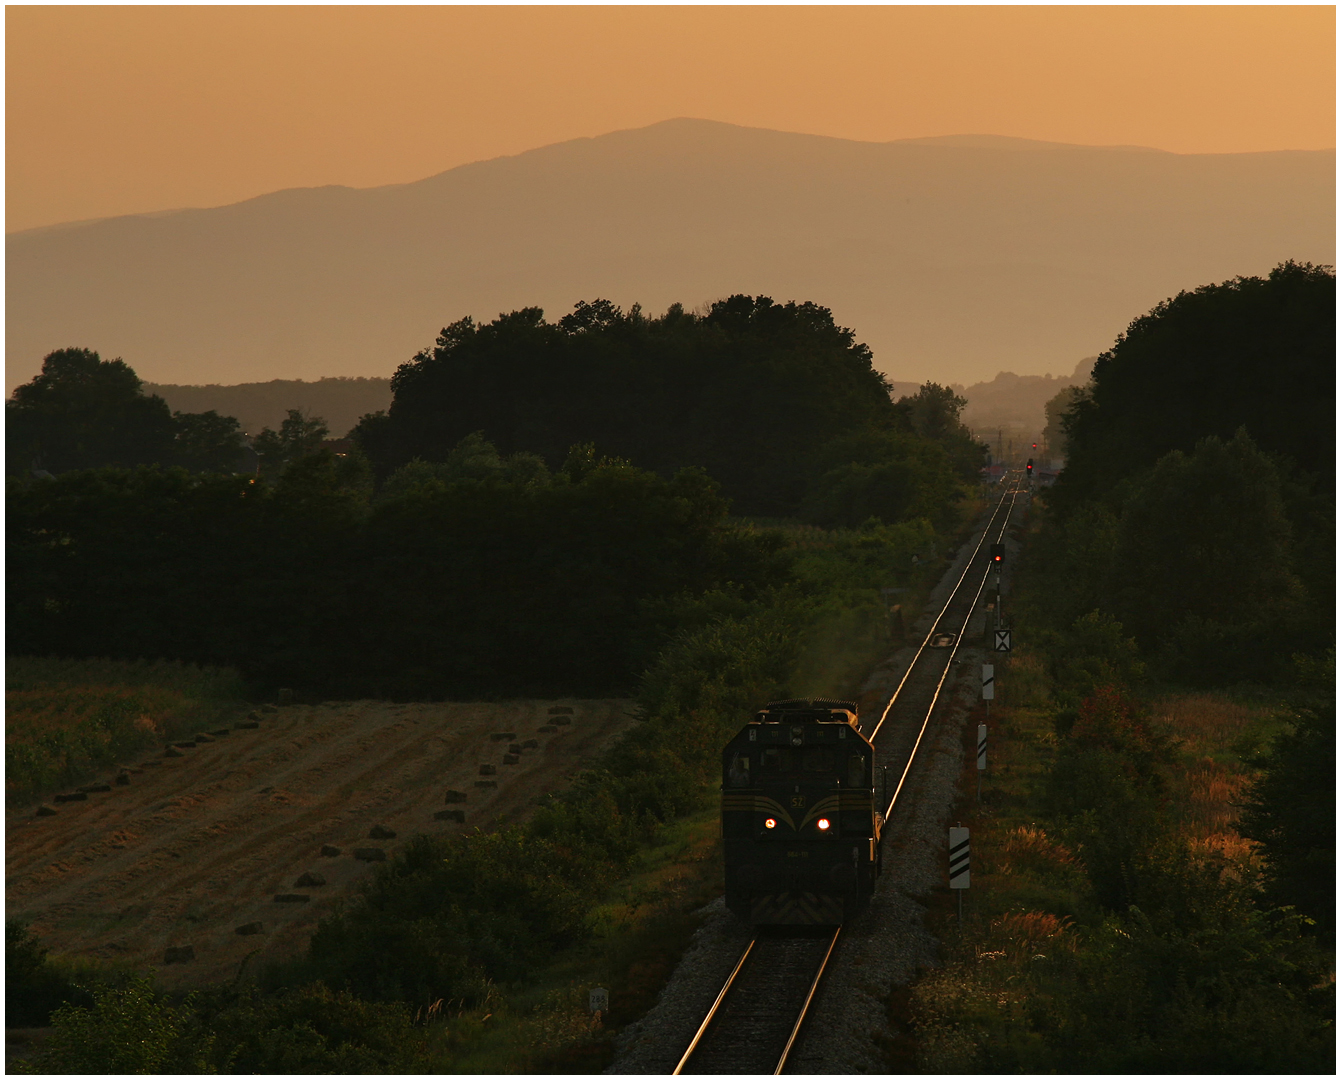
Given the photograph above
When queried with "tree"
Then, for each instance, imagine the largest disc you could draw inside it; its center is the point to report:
(933, 413)
(751, 391)
(207, 442)
(297, 437)
(1291, 812)
(1204, 536)
(83, 412)
(1252, 352)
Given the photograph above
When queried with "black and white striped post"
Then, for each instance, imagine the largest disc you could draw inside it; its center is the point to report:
(982, 756)
(959, 864)
(988, 687)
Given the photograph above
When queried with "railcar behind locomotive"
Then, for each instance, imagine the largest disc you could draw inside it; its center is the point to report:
(800, 827)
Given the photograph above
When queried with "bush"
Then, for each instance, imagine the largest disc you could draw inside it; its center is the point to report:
(33, 987)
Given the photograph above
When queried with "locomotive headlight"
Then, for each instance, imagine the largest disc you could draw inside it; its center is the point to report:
(823, 824)
(770, 823)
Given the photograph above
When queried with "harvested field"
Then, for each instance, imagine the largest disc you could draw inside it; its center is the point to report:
(202, 851)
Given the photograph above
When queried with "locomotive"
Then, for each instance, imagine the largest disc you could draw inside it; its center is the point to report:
(800, 827)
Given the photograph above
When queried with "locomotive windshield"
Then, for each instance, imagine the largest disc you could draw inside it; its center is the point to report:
(738, 774)
(811, 763)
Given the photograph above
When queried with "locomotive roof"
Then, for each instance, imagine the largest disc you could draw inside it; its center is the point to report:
(819, 710)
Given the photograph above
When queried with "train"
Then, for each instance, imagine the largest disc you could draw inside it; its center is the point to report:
(800, 824)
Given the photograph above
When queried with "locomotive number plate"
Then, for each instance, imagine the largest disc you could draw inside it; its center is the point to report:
(799, 800)
(798, 854)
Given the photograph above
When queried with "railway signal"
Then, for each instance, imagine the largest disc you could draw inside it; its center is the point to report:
(998, 555)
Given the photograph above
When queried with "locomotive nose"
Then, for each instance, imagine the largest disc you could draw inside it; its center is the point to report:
(843, 876)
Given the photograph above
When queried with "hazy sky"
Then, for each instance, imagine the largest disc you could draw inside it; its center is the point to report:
(123, 110)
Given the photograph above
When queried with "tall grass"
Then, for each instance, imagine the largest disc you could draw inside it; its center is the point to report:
(65, 720)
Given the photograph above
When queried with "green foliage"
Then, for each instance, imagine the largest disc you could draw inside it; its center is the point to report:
(933, 414)
(207, 442)
(297, 437)
(83, 412)
(1164, 957)
(1204, 535)
(127, 1030)
(1291, 812)
(1092, 653)
(447, 584)
(33, 986)
(1251, 352)
(65, 719)
(752, 391)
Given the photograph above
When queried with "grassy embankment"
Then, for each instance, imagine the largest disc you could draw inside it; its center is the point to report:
(647, 834)
(66, 720)
(1114, 921)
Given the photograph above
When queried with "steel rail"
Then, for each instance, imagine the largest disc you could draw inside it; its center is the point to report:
(805, 1007)
(959, 637)
(939, 615)
(712, 1013)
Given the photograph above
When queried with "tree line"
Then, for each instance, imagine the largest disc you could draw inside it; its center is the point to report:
(521, 520)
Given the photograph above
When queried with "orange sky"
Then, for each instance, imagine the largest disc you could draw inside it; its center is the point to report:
(122, 110)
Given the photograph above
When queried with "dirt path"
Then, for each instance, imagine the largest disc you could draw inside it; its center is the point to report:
(199, 845)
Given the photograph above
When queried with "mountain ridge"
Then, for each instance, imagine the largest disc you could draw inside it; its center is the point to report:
(952, 262)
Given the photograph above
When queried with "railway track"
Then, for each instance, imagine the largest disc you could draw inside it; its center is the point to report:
(754, 1023)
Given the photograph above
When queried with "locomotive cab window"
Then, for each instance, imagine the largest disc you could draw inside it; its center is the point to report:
(776, 761)
(856, 771)
(738, 773)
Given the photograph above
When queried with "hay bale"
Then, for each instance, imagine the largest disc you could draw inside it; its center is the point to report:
(515, 748)
(531, 744)
(502, 736)
(180, 954)
(123, 778)
(561, 719)
(46, 811)
(72, 796)
(220, 733)
(548, 729)
(291, 898)
(330, 850)
(246, 725)
(249, 928)
(455, 796)
(488, 770)
(560, 710)
(511, 759)
(268, 709)
(91, 788)
(370, 854)
(486, 783)
(450, 815)
(381, 832)
(185, 745)
(309, 881)
(201, 737)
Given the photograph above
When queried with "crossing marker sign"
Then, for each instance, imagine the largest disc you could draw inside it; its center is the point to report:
(1001, 640)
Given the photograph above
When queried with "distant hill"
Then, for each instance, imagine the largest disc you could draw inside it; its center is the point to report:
(952, 258)
(1015, 402)
(338, 401)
